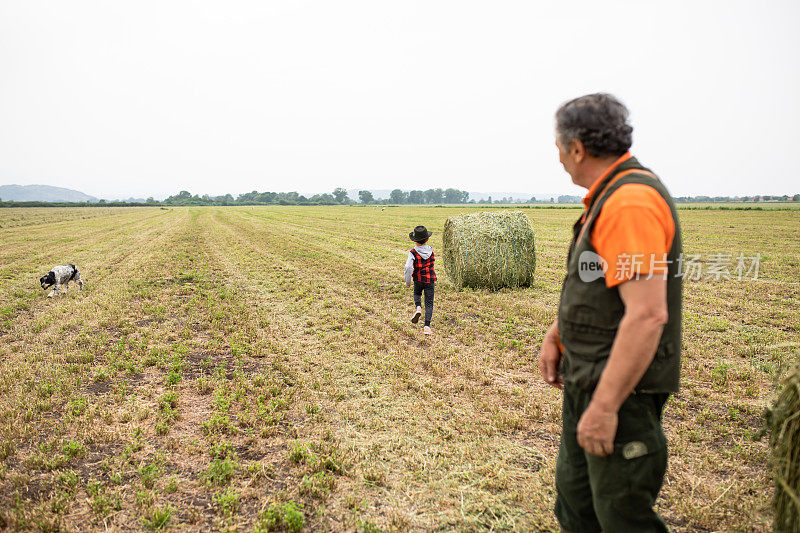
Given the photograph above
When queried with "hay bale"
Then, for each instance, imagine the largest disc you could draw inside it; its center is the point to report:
(489, 250)
(783, 419)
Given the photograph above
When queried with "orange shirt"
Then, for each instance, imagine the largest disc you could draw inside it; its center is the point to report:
(633, 231)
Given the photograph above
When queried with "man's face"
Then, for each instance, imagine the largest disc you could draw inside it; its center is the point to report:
(566, 160)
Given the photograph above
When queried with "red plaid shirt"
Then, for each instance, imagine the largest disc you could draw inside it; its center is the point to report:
(423, 268)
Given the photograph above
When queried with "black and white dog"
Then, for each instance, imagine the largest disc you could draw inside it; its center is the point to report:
(61, 275)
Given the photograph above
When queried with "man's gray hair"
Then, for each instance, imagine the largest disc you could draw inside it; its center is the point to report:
(599, 121)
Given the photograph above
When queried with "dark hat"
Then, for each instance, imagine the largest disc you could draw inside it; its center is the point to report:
(420, 234)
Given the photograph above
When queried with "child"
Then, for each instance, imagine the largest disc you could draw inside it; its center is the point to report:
(419, 268)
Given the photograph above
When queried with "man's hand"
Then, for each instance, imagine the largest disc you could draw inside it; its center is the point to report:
(550, 357)
(597, 429)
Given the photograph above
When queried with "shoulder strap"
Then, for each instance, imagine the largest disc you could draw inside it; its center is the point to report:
(604, 191)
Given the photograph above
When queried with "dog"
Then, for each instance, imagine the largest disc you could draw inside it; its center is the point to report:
(60, 276)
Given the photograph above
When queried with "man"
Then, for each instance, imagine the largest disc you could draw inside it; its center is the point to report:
(615, 346)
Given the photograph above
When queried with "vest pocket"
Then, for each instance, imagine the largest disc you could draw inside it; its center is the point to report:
(664, 350)
(586, 342)
(590, 316)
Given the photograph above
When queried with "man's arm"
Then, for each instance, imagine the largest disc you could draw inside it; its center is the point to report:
(550, 357)
(631, 354)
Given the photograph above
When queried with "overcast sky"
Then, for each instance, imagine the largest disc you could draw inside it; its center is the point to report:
(146, 98)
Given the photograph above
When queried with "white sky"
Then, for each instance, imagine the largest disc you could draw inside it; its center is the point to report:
(144, 98)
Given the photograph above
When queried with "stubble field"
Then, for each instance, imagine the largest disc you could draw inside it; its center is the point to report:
(255, 369)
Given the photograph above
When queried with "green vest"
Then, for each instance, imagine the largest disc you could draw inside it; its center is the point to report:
(589, 312)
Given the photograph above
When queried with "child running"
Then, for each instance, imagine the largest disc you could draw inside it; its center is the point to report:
(419, 268)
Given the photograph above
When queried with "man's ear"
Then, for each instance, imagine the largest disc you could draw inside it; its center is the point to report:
(577, 150)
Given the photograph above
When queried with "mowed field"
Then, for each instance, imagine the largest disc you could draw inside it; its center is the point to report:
(255, 369)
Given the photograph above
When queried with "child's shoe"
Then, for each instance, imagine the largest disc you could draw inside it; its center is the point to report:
(417, 314)
(427, 330)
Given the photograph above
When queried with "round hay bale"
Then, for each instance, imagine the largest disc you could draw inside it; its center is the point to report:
(783, 419)
(489, 250)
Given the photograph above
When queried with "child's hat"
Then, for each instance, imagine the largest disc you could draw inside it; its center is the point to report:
(420, 234)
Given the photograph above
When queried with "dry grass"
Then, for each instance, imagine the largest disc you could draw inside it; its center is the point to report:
(254, 368)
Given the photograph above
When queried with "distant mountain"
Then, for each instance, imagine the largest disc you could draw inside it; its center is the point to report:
(42, 193)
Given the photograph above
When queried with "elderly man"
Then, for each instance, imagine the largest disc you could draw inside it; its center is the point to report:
(615, 345)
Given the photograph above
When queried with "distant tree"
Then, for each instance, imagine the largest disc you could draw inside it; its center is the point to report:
(267, 198)
(248, 198)
(150, 201)
(489, 200)
(323, 199)
(340, 195)
(398, 197)
(365, 197)
(416, 197)
(292, 197)
(434, 196)
(796, 198)
(569, 199)
(455, 196)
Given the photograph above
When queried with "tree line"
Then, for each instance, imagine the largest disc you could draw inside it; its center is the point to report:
(437, 196)
(757, 198)
(339, 196)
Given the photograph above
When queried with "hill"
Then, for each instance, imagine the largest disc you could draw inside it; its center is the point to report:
(42, 193)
